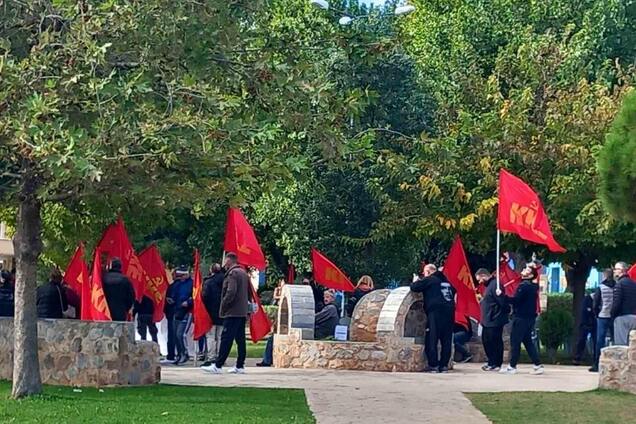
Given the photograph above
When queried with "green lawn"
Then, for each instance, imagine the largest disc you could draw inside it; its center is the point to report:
(254, 350)
(596, 407)
(157, 404)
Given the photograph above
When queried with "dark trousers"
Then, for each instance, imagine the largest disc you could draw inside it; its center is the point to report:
(202, 345)
(268, 355)
(581, 343)
(172, 339)
(460, 338)
(233, 330)
(522, 329)
(603, 326)
(145, 324)
(439, 330)
(182, 326)
(492, 339)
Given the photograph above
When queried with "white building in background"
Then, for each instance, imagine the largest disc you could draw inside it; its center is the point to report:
(6, 248)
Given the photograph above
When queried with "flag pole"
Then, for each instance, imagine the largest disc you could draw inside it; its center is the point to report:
(498, 258)
(342, 307)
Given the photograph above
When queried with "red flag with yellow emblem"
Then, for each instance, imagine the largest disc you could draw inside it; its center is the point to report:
(329, 275)
(94, 306)
(76, 274)
(115, 243)
(241, 239)
(202, 320)
(521, 212)
(457, 271)
(156, 279)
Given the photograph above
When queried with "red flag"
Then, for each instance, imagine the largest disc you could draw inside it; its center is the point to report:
(156, 279)
(97, 308)
(291, 274)
(116, 243)
(508, 278)
(632, 273)
(260, 325)
(457, 271)
(76, 274)
(328, 274)
(521, 212)
(241, 239)
(202, 320)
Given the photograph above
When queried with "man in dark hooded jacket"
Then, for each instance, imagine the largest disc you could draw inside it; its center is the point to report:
(439, 305)
(211, 294)
(51, 297)
(119, 292)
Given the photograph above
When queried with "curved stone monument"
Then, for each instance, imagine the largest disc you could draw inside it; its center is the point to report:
(387, 332)
(617, 366)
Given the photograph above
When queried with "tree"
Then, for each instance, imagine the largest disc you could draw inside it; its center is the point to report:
(140, 108)
(616, 165)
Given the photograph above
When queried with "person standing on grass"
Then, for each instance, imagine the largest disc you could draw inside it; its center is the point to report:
(234, 309)
(494, 316)
(587, 327)
(603, 300)
(212, 291)
(439, 305)
(524, 305)
(624, 305)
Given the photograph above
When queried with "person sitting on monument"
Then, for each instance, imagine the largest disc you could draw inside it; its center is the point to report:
(51, 298)
(327, 318)
(439, 305)
(363, 287)
(462, 333)
(119, 292)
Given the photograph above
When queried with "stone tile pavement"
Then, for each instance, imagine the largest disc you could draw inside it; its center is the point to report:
(342, 397)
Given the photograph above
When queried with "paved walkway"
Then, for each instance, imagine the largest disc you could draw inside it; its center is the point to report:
(342, 397)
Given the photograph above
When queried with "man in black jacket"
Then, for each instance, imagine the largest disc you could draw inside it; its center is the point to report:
(211, 294)
(144, 311)
(524, 305)
(494, 316)
(439, 305)
(119, 292)
(624, 305)
(587, 327)
(51, 298)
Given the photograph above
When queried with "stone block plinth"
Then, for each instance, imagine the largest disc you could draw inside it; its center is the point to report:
(617, 367)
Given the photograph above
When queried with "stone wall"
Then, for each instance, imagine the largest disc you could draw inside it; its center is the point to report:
(395, 354)
(364, 321)
(617, 367)
(85, 353)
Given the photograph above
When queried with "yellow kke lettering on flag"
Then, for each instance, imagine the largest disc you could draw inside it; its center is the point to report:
(98, 299)
(465, 277)
(244, 249)
(526, 216)
(153, 286)
(333, 275)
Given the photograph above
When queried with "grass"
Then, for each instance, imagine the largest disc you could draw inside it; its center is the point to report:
(595, 407)
(156, 404)
(254, 350)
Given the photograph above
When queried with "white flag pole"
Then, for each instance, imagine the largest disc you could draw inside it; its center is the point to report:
(498, 258)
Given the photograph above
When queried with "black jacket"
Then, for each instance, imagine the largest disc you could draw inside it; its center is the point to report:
(145, 307)
(211, 295)
(624, 297)
(494, 309)
(51, 301)
(319, 295)
(354, 299)
(119, 293)
(438, 293)
(326, 321)
(524, 302)
(7, 300)
(588, 317)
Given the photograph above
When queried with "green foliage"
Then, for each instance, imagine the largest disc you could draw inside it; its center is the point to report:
(616, 165)
(555, 327)
(561, 301)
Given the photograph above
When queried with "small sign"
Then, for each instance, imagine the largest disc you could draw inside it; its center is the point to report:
(342, 332)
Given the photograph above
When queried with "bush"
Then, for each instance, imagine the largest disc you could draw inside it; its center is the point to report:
(561, 301)
(555, 328)
(272, 314)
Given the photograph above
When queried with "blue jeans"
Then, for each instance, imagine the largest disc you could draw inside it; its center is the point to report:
(268, 355)
(603, 325)
(459, 340)
(181, 329)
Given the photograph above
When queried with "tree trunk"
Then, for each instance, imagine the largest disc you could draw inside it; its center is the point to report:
(576, 275)
(27, 245)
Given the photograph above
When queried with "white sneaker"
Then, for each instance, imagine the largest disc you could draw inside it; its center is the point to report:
(235, 370)
(508, 370)
(212, 369)
(537, 370)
